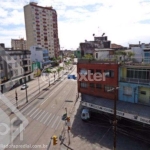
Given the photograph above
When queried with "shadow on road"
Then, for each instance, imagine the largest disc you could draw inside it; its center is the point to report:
(100, 132)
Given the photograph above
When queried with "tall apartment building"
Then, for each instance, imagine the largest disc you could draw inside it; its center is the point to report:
(41, 27)
(19, 44)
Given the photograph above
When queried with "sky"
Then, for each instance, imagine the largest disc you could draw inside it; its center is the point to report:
(123, 21)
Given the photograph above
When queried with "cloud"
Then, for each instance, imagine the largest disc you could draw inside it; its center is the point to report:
(123, 21)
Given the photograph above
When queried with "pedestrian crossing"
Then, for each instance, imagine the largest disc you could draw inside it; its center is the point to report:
(44, 117)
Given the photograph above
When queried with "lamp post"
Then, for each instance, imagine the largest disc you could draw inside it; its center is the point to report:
(38, 76)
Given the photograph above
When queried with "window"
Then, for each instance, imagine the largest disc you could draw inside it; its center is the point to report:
(109, 88)
(16, 65)
(83, 85)
(83, 71)
(143, 92)
(92, 85)
(96, 55)
(98, 86)
(109, 73)
(127, 90)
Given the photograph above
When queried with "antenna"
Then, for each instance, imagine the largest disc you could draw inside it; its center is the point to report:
(99, 31)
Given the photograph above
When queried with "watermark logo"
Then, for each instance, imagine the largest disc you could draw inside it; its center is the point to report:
(91, 76)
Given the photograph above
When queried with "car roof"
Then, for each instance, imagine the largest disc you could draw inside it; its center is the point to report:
(85, 111)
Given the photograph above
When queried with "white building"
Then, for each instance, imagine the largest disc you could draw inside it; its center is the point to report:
(39, 54)
(138, 50)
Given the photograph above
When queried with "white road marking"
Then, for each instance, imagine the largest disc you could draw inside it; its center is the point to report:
(26, 108)
(40, 115)
(51, 95)
(44, 117)
(37, 114)
(47, 118)
(54, 122)
(34, 112)
(58, 124)
(50, 120)
(31, 111)
(44, 101)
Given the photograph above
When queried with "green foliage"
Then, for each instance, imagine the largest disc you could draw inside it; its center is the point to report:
(88, 56)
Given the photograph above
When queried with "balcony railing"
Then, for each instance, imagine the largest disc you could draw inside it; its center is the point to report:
(134, 80)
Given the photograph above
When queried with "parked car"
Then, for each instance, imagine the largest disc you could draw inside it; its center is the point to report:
(85, 115)
(24, 86)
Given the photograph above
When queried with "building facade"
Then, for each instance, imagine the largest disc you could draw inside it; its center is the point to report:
(41, 28)
(134, 83)
(108, 78)
(41, 55)
(17, 68)
(19, 44)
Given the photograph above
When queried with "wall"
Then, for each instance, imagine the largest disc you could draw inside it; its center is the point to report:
(111, 81)
(138, 53)
(102, 54)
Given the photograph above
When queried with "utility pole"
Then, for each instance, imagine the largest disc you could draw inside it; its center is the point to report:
(115, 120)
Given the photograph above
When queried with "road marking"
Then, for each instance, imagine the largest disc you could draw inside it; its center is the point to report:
(34, 112)
(44, 117)
(37, 114)
(44, 101)
(31, 111)
(54, 122)
(58, 124)
(50, 120)
(40, 115)
(51, 95)
(26, 108)
(47, 118)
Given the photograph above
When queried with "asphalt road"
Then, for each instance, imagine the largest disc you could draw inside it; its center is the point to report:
(36, 86)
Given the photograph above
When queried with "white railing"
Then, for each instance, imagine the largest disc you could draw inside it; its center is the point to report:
(135, 80)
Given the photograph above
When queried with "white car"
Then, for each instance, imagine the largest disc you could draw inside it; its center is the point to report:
(85, 115)
(24, 86)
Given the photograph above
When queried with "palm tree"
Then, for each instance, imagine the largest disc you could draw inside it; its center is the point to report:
(58, 70)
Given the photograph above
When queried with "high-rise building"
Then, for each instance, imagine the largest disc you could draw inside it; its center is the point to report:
(41, 27)
(19, 44)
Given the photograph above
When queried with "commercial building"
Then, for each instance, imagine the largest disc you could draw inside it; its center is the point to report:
(100, 87)
(41, 28)
(41, 55)
(19, 44)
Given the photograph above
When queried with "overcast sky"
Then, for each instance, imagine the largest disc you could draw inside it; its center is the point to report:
(123, 21)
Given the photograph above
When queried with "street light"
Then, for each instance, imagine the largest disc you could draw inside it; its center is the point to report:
(38, 76)
(115, 121)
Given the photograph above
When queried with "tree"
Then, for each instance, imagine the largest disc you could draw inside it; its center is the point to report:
(130, 54)
(48, 71)
(54, 72)
(88, 56)
(58, 70)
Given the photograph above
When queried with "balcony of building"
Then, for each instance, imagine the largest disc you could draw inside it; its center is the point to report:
(135, 80)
